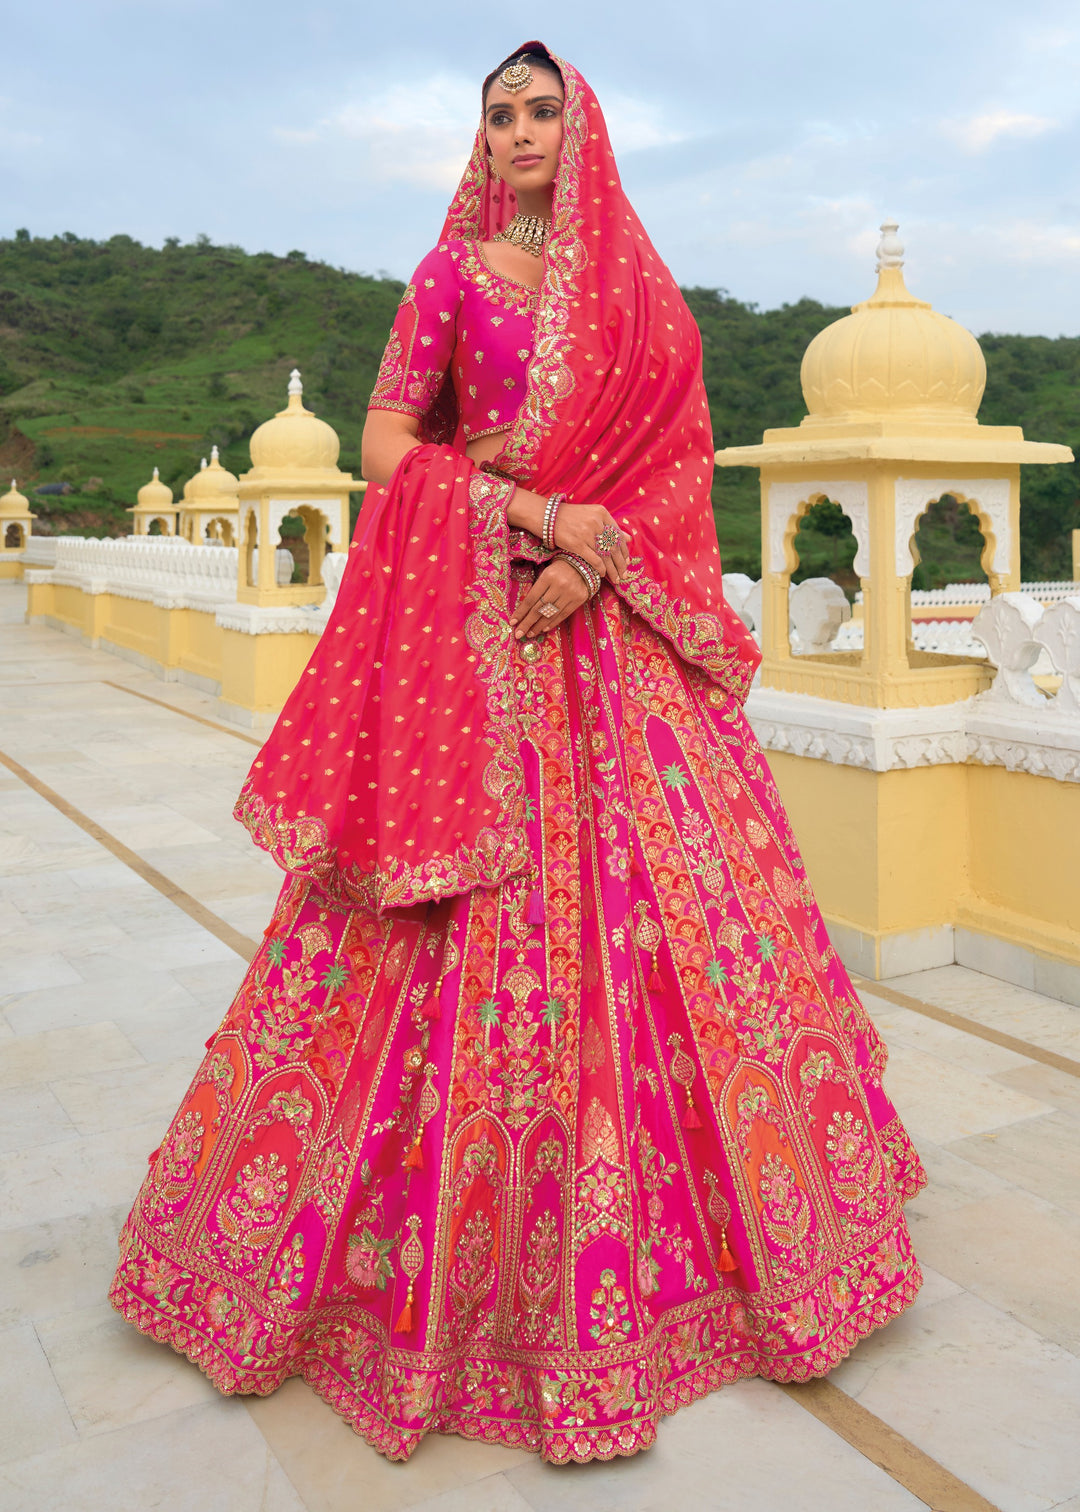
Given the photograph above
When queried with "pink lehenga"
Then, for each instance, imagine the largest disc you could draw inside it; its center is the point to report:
(545, 1106)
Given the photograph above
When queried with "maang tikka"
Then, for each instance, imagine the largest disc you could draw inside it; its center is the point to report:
(515, 77)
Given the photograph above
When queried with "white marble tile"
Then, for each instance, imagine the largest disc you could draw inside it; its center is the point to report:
(940, 1103)
(30, 1059)
(1046, 1084)
(326, 1461)
(29, 973)
(203, 1459)
(981, 1394)
(1041, 1155)
(1018, 1011)
(110, 1375)
(104, 873)
(58, 1266)
(88, 1003)
(952, 1182)
(492, 1494)
(901, 1026)
(1016, 1251)
(114, 1099)
(34, 1416)
(147, 824)
(749, 1444)
(31, 1116)
(75, 1175)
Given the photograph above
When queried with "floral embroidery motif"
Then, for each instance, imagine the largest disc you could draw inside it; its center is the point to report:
(246, 1217)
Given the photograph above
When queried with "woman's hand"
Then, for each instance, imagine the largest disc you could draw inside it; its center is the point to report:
(576, 529)
(558, 584)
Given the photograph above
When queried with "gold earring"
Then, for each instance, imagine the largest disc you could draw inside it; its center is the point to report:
(496, 175)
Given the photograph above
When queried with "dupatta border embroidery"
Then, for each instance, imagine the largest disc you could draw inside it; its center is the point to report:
(302, 843)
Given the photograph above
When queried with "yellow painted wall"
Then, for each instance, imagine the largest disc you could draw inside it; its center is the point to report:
(255, 673)
(885, 851)
(980, 847)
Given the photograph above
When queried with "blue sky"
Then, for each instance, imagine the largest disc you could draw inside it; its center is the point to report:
(762, 145)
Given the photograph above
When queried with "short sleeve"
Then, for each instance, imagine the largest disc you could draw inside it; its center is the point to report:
(417, 356)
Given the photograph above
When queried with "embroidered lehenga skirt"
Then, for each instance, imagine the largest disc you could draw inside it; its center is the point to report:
(539, 1164)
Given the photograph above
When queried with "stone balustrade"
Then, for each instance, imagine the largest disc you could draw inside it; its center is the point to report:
(1017, 723)
(163, 570)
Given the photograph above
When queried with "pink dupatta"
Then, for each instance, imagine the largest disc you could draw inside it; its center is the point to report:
(393, 775)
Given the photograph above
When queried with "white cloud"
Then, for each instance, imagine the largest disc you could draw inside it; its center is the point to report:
(419, 133)
(978, 132)
(634, 124)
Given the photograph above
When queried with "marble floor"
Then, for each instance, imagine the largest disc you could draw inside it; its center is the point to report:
(109, 986)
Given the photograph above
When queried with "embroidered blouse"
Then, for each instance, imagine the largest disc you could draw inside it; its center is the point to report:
(459, 316)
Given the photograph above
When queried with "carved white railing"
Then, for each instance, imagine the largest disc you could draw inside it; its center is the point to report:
(1017, 723)
(39, 551)
(158, 569)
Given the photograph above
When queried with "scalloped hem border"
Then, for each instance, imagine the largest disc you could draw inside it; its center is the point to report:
(555, 1447)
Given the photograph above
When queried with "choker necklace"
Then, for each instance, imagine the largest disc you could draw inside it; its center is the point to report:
(527, 231)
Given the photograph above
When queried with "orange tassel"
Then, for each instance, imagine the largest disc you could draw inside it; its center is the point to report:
(210, 1042)
(690, 1119)
(727, 1261)
(404, 1322)
(656, 981)
(153, 1155)
(414, 1160)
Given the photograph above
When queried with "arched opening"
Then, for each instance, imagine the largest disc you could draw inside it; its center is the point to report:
(948, 545)
(14, 537)
(219, 531)
(305, 534)
(251, 541)
(823, 583)
(948, 583)
(825, 545)
(156, 527)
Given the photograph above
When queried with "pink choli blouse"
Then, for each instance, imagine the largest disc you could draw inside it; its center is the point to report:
(459, 316)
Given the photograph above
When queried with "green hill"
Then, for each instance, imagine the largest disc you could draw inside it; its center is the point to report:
(116, 358)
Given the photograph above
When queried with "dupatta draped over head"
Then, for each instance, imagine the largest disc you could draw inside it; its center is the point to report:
(393, 776)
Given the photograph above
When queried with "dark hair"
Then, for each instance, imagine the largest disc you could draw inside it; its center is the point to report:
(536, 59)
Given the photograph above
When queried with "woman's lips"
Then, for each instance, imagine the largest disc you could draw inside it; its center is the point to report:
(527, 160)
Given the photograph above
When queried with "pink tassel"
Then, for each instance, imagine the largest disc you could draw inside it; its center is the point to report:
(534, 912)
(690, 1119)
(153, 1155)
(431, 1010)
(656, 981)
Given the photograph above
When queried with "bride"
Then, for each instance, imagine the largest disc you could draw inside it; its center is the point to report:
(545, 1106)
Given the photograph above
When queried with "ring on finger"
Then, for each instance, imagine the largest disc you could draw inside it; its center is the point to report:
(548, 610)
(607, 540)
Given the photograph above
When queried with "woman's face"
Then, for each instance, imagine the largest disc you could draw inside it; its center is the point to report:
(525, 130)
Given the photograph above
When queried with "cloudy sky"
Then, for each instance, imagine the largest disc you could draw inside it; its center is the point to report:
(762, 144)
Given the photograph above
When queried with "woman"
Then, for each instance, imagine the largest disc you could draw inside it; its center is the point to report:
(546, 1106)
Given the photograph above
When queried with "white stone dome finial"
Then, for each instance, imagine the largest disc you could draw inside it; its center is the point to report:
(202, 464)
(890, 249)
(213, 454)
(156, 475)
(295, 384)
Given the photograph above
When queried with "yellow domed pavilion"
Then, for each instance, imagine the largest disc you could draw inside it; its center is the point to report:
(295, 440)
(154, 501)
(15, 525)
(892, 393)
(293, 471)
(210, 507)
